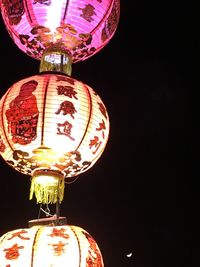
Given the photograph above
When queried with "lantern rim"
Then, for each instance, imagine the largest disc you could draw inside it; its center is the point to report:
(50, 221)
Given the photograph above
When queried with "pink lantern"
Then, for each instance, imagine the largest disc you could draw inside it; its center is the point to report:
(52, 127)
(45, 246)
(82, 27)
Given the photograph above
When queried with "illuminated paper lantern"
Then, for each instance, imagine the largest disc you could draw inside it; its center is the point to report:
(52, 127)
(82, 27)
(45, 246)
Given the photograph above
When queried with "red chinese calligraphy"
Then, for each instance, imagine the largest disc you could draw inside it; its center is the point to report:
(65, 79)
(67, 91)
(101, 128)
(95, 143)
(66, 107)
(19, 234)
(88, 12)
(59, 233)
(65, 129)
(12, 253)
(58, 248)
(102, 109)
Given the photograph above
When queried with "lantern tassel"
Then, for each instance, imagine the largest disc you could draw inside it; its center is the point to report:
(47, 187)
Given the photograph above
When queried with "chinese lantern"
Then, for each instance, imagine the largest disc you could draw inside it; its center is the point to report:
(64, 245)
(52, 127)
(82, 27)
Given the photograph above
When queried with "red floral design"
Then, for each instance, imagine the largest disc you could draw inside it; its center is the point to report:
(94, 257)
(110, 24)
(14, 10)
(2, 145)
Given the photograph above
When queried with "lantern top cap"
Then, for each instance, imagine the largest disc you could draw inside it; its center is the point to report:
(49, 221)
(56, 59)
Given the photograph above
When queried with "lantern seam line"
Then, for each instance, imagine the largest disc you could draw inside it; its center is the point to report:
(79, 247)
(65, 12)
(89, 117)
(4, 237)
(26, 6)
(43, 111)
(34, 242)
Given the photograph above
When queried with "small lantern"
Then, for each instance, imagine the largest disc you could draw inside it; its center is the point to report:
(82, 27)
(52, 127)
(45, 246)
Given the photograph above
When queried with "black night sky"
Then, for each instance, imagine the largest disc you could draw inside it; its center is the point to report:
(138, 197)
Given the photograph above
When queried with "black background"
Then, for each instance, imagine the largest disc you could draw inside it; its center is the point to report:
(138, 197)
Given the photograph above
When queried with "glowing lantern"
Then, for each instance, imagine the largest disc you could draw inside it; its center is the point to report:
(52, 127)
(44, 246)
(82, 27)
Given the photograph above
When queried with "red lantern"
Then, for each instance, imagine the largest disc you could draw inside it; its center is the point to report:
(82, 27)
(44, 246)
(52, 127)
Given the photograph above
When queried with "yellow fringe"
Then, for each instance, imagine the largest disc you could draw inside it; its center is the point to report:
(48, 193)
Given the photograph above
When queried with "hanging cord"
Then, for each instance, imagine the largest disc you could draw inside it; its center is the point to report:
(46, 211)
(72, 181)
(58, 206)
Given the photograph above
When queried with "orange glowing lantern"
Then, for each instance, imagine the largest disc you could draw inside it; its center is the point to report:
(82, 27)
(52, 127)
(44, 246)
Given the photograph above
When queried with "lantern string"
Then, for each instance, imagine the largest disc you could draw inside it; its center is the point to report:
(72, 181)
(46, 211)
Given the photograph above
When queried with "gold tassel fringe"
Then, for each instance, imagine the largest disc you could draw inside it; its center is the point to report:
(47, 193)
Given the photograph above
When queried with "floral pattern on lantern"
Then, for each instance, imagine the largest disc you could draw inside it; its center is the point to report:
(82, 27)
(45, 246)
(52, 121)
